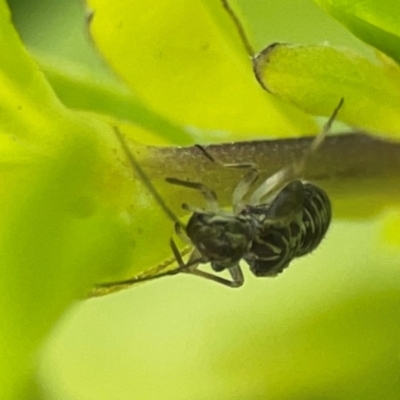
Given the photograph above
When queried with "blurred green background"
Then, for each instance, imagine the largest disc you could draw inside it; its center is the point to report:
(325, 329)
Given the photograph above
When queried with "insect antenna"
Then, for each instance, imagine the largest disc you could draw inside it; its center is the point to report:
(103, 288)
(144, 178)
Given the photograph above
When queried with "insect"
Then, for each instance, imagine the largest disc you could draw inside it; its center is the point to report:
(283, 219)
(218, 237)
(268, 234)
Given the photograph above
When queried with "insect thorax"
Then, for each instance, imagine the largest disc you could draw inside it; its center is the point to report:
(222, 240)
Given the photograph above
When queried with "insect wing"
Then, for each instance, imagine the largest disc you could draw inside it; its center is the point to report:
(287, 205)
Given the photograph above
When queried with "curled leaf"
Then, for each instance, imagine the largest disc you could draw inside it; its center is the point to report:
(316, 77)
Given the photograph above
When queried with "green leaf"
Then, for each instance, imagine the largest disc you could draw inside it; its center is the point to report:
(195, 74)
(110, 100)
(316, 77)
(60, 227)
(74, 212)
(374, 22)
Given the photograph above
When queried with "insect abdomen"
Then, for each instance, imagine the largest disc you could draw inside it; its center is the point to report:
(317, 214)
(273, 249)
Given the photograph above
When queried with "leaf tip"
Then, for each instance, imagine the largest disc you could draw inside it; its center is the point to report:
(260, 62)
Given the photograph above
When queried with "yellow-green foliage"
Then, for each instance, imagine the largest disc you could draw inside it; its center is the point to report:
(74, 213)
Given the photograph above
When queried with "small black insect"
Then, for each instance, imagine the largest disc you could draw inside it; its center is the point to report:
(289, 224)
(283, 219)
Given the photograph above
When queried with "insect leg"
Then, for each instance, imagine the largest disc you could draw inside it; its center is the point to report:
(237, 276)
(299, 167)
(193, 209)
(206, 275)
(192, 268)
(319, 139)
(228, 165)
(209, 195)
(180, 232)
(294, 171)
(244, 184)
(242, 189)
